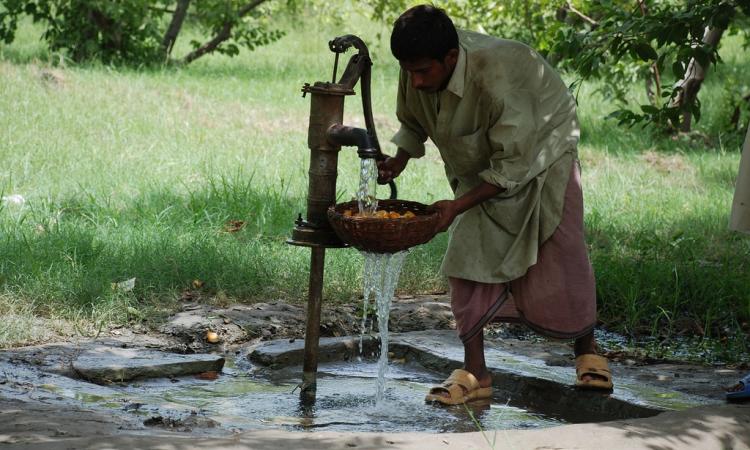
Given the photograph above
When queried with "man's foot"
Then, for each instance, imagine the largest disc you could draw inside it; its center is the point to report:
(461, 387)
(592, 372)
(740, 391)
(590, 376)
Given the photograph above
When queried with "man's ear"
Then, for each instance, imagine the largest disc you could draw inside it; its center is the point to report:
(451, 58)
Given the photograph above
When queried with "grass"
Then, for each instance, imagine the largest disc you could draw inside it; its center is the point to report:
(146, 174)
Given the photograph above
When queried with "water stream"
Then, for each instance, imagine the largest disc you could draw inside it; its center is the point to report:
(368, 177)
(381, 277)
(380, 274)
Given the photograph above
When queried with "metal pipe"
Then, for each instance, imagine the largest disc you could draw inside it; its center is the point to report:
(357, 137)
(312, 333)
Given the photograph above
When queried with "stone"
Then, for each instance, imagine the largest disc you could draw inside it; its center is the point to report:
(109, 364)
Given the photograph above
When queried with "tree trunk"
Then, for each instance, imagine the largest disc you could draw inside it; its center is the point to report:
(653, 83)
(693, 79)
(224, 33)
(170, 37)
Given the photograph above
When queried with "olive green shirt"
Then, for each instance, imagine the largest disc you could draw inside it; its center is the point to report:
(506, 118)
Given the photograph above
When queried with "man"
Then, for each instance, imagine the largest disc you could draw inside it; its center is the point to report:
(506, 128)
(740, 221)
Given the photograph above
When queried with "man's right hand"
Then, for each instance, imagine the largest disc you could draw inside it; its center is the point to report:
(392, 166)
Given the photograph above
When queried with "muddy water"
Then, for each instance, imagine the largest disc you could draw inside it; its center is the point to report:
(244, 398)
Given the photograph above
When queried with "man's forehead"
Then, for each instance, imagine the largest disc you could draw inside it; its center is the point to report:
(417, 64)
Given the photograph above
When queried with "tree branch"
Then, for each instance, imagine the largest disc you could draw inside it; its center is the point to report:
(656, 76)
(581, 15)
(693, 79)
(224, 33)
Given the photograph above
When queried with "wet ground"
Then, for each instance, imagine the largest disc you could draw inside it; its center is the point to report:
(256, 388)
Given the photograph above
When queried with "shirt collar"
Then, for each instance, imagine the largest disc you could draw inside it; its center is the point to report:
(456, 83)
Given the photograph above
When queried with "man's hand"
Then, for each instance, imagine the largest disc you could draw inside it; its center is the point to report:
(392, 166)
(447, 211)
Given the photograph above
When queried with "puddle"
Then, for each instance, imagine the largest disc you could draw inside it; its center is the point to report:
(241, 399)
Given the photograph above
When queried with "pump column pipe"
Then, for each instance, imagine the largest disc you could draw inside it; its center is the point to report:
(326, 110)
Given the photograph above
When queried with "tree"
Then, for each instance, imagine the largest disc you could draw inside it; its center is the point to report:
(130, 31)
(620, 38)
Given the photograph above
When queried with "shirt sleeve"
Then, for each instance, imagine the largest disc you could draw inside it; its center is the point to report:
(410, 136)
(513, 140)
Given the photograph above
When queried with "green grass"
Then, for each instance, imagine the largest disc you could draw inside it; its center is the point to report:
(132, 173)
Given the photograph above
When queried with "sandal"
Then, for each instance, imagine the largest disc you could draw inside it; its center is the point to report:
(741, 394)
(593, 365)
(462, 386)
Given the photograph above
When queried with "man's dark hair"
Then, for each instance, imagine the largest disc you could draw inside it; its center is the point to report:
(423, 31)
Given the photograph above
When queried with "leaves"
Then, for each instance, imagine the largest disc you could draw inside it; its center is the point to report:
(131, 31)
(645, 51)
(630, 45)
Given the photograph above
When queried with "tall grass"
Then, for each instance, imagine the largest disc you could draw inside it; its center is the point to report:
(170, 176)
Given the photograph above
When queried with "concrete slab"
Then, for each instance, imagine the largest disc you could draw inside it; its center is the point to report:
(34, 417)
(44, 427)
(105, 364)
(530, 375)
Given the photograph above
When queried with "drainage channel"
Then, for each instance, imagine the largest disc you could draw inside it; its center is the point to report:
(254, 399)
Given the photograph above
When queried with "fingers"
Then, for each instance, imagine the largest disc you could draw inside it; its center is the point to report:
(385, 176)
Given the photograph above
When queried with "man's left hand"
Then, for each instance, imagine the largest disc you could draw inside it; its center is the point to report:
(447, 211)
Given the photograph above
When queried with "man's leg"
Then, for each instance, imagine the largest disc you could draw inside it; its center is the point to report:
(474, 360)
(585, 344)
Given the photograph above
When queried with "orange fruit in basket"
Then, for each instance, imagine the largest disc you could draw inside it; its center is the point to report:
(394, 215)
(381, 214)
(347, 213)
(409, 215)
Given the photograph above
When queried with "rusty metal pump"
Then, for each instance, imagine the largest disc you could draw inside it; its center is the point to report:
(326, 135)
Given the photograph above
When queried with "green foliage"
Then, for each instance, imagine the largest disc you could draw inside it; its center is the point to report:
(657, 44)
(132, 31)
(108, 31)
(249, 31)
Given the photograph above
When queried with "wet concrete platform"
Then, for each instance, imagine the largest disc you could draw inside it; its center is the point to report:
(656, 406)
(537, 376)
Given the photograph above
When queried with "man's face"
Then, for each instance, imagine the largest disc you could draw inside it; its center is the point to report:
(431, 75)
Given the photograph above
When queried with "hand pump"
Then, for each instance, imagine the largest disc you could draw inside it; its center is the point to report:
(326, 134)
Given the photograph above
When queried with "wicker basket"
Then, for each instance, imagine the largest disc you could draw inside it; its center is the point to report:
(380, 235)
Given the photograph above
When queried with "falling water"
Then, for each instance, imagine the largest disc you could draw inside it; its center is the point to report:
(368, 177)
(380, 275)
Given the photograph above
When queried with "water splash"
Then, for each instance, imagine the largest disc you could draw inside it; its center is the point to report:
(368, 177)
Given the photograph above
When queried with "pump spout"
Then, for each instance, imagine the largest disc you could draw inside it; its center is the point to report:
(355, 137)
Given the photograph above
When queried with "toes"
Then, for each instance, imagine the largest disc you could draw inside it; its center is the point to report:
(736, 388)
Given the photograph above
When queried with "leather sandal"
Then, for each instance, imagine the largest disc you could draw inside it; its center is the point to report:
(461, 386)
(595, 366)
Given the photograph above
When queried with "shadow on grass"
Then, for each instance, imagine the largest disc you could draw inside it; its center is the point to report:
(229, 236)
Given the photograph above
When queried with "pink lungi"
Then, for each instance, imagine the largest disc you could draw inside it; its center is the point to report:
(556, 297)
